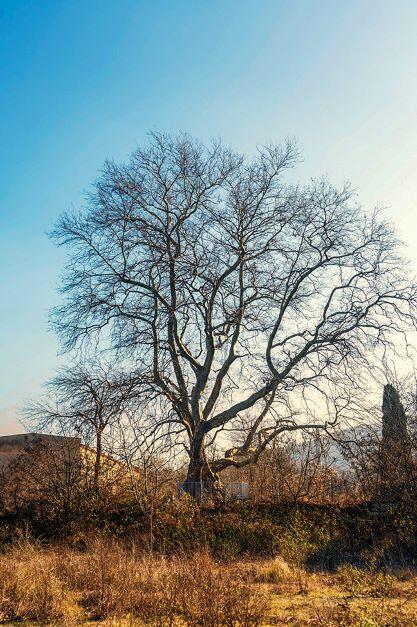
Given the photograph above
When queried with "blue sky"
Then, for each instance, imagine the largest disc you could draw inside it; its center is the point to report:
(81, 81)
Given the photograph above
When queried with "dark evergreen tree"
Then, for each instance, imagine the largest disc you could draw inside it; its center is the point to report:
(395, 453)
(394, 419)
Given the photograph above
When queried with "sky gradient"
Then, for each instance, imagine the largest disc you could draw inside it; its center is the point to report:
(82, 81)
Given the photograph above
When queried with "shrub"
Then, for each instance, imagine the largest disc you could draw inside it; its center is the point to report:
(276, 572)
(361, 582)
(210, 594)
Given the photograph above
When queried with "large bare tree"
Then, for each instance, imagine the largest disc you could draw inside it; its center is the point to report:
(245, 307)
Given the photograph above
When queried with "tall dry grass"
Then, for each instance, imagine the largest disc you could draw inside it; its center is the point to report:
(112, 581)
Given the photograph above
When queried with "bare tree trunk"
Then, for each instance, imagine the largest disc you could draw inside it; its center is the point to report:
(97, 462)
(198, 466)
(200, 476)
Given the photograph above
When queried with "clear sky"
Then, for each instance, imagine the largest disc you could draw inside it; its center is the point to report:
(84, 80)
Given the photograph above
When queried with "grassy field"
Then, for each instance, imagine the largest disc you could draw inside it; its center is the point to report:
(110, 583)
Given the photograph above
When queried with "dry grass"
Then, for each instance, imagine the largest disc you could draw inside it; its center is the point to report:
(278, 571)
(30, 588)
(350, 598)
(110, 582)
(116, 584)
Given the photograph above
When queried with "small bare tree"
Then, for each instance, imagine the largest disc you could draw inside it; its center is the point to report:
(312, 474)
(245, 307)
(85, 399)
